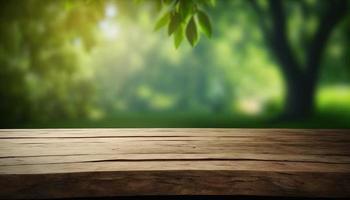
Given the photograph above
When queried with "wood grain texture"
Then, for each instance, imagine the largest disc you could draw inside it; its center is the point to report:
(70, 163)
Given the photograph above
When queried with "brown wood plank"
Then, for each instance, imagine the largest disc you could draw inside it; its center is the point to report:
(175, 132)
(67, 163)
(184, 165)
(174, 182)
(57, 159)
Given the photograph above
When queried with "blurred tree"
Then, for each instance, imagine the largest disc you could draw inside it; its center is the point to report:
(48, 72)
(39, 45)
(300, 65)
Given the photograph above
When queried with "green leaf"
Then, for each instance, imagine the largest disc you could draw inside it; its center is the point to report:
(204, 23)
(185, 8)
(175, 21)
(162, 21)
(178, 37)
(191, 32)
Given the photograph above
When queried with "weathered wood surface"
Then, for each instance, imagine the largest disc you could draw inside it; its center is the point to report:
(67, 163)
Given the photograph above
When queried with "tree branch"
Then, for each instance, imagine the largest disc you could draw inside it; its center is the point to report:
(280, 42)
(336, 12)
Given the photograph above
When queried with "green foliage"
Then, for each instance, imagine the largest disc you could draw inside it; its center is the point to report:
(47, 39)
(185, 13)
(162, 21)
(175, 22)
(178, 36)
(192, 32)
(204, 22)
(71, 64)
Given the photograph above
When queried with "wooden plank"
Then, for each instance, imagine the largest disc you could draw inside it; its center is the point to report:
(175, 182)
(70, 163)
(160, 132)
(57, 159)
(184, 165)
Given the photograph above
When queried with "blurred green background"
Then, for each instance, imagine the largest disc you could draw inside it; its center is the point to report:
(101, 64)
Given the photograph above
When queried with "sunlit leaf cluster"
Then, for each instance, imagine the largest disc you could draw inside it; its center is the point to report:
(185, 19)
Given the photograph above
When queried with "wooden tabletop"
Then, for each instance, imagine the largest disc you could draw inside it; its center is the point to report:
(67, 163)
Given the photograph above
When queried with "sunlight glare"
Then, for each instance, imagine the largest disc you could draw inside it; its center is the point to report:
(110, 30)
(110, 11)
(108, 26)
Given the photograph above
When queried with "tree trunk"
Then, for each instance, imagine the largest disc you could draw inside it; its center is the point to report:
(300, 84)
(299, 96)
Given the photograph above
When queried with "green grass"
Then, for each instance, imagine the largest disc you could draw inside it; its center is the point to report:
(333, 111)
(152, 120)
(334, 100)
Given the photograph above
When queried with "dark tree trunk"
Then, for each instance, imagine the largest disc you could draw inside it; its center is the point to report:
(300, 84)
(299, 97)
